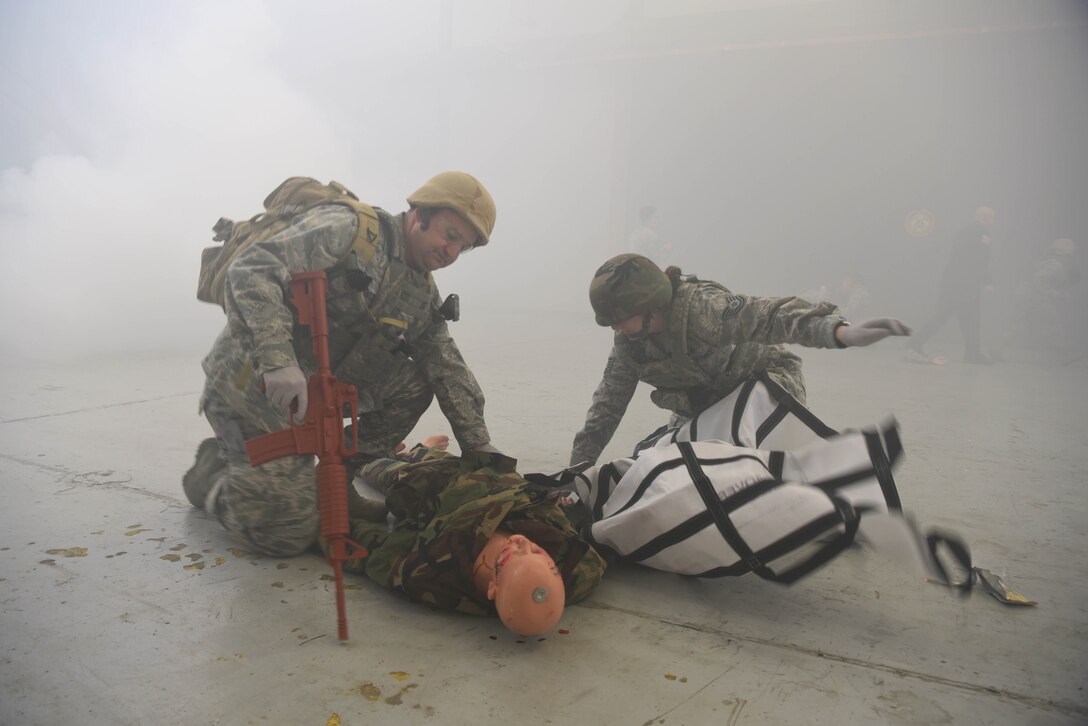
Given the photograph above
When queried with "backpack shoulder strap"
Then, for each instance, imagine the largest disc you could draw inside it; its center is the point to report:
(292, 197)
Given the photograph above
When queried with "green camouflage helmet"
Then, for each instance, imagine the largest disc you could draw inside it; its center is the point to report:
(628, 285)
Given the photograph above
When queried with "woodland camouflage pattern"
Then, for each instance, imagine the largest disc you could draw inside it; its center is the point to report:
(713, 341)
(273, 507)
(446, 508)
(628, 285)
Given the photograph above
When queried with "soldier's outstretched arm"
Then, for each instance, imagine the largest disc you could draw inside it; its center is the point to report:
(868, 332)
(726, 318)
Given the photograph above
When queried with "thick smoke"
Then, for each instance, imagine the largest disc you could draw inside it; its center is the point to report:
(783, 143)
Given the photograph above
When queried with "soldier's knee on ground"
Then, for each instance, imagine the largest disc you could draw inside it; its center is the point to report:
(201, 476)
(275, 542)
(272, 507)
(276, 534)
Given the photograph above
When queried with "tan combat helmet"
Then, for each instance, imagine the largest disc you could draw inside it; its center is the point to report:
(462, 193)
(628, 285)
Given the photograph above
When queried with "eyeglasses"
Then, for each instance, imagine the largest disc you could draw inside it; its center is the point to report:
(452, 239)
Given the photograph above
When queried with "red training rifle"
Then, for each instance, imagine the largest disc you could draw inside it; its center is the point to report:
(322, 434)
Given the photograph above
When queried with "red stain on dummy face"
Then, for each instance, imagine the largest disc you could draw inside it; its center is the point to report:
(528, 589)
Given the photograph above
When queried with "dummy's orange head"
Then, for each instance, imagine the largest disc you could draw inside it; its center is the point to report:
(528, 590)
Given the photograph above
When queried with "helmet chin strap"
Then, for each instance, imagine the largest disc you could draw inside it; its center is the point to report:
(644, 333)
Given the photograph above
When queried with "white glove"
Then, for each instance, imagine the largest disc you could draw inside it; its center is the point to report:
(870, 331)
(284, 385)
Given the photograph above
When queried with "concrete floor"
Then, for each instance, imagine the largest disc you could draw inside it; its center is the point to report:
(120, 604)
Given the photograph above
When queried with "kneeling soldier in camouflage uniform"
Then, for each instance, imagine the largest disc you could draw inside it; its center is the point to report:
(694, 341)
(386, 337)
(461, 524)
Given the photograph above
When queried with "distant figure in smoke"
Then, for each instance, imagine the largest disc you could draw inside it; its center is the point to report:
(966, 275)
(645, 238)
(1045, 314)
(695, 342)
(851, 295)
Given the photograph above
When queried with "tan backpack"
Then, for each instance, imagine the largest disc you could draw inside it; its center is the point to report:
(294, 196)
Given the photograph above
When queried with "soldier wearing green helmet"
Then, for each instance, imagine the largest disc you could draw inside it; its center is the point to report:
(695, 342)
(388, 337)
(626, 286)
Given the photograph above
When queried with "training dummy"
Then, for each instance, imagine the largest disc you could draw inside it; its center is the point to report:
(470, 534)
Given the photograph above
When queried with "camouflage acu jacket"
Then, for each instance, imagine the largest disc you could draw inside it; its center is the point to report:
(446, 508)
(365, 328)
(714, 341)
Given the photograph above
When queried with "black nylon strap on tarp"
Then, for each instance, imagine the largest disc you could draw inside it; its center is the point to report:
(604, 550)
(605, 478)
(697, 523)
(669, 464)
(882, 468)
(959, 552)
(792, 405)
(786, 405)
(700, 521)
(892, 443)
(772, 421)
(719, 514)
(776, 462)
(738, 408)
(562, 480)
(848, 517)
(652, 439)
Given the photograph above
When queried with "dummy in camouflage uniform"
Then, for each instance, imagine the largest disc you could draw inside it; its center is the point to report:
(714, 340)
(446, 508)
(398, 367)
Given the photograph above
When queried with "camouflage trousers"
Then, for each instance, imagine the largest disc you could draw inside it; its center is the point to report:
(273, 507)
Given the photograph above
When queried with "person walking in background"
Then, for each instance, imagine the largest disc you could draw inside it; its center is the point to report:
(1045, 312)
(966, 275)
